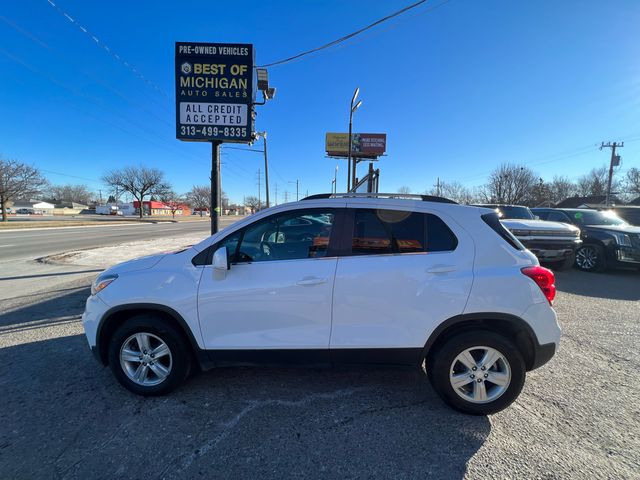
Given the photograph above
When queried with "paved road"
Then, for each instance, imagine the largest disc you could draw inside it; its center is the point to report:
(65, 417)
(31, 244)
(21, 275)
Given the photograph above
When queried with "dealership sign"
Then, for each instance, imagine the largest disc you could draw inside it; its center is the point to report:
(214, 92)
(363, 145)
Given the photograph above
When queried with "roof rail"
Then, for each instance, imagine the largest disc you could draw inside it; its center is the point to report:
(424, 198)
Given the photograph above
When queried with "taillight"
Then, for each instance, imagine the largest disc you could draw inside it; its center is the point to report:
(544, 278)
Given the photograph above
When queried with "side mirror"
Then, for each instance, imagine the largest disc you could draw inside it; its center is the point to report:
(220, 260)
(537, 217)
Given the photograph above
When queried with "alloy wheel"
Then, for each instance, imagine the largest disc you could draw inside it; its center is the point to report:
(146, 359)
(480, 374)
(587, 258)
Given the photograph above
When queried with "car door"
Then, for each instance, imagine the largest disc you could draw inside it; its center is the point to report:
(277, 293)
(405, 273)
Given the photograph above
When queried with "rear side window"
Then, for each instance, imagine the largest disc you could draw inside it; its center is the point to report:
(395, 231)
(493, 221)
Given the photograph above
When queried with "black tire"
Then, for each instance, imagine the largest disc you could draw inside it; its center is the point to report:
(440, 364)
(158, 327)
(590, 251)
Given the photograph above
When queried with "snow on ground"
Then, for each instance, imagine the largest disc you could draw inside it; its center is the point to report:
(105, 257)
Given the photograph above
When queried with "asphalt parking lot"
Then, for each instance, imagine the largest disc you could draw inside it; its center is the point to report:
(63, 416)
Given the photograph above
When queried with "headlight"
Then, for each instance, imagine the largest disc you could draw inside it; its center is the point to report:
(102, 282)
(622, 239)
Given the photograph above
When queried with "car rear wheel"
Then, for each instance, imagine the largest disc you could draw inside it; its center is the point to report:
(477, 372)
(148, 356)
(590, 258)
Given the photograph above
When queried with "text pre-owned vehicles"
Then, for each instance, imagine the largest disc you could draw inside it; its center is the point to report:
(341, 279)
(554, 243)
(608, 241)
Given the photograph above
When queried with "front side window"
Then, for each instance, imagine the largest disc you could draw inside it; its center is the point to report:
(287, 236)
(557, 217)
(395, 231)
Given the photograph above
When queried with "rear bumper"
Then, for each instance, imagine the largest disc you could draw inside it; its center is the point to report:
(542, 354)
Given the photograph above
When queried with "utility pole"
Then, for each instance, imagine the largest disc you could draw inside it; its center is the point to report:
(615, 161)
(297, 182)
(286, 196)
(437, 185)
(276, 202)
(259, 184)
(266, 168)
(215, 185)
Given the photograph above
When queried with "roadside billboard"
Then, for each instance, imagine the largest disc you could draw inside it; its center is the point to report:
(214, 92)
(363, 145)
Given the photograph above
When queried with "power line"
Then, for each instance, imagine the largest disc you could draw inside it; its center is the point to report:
(93, 180)
(132, 68)
(345, 37)
(90, 76)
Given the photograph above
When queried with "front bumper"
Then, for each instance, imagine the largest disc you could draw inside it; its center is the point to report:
(94, 310)
(627, 255)
(551, 250)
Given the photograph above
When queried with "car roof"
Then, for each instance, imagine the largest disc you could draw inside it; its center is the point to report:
(498, 205)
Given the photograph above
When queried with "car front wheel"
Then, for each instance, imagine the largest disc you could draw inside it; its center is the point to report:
(477, 372)
(590, 258)
(148, 356)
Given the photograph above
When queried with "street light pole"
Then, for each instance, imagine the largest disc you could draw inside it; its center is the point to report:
(352, 167)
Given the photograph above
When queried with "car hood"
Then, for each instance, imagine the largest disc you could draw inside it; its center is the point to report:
(615, 228)
(541, 225)
(141, 263)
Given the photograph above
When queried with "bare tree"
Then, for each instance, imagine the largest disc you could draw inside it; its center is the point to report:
(138, 181)
(172, 200)
(632, 181)
(595, 182)
(200, 197)
(561, 188)
(18, 180)
(69, 193)
(510, 184)
(404, 190)
(454, 191)
(253, 203)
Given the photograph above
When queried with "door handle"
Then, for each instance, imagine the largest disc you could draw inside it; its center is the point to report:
(305, 282)
(442, 269)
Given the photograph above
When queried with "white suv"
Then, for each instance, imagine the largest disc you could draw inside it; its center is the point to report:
(336, 279)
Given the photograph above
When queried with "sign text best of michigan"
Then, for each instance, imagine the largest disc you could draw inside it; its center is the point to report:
(214, 92)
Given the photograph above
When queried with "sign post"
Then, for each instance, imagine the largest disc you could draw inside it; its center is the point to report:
(215, 95)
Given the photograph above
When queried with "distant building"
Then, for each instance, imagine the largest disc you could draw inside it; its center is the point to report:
(152, 207)
(31, 206)
(592, 201)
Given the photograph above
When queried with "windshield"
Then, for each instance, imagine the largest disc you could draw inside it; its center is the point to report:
(597, 218)
(522, 213)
